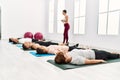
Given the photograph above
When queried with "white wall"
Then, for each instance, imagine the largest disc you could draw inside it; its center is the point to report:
(0, 22)
(0, 19)
(91, 37)
(19, 16)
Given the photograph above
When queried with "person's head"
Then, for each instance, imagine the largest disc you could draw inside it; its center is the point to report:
(10, 39)
(64, 12)
(42, 49)
(15, 41)
(62, 58)
(35, 46)
(27, 45)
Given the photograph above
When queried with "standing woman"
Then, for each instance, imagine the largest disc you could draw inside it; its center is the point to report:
(66, 27)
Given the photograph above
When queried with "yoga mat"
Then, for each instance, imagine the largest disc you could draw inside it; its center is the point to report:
(71, 66)
(40, 55)
(14, 44)
(19, 45)
(10, 42)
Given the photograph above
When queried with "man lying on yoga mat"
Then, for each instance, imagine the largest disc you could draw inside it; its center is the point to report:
(54, 49)
(22, 40)
(34, 45)
(79, 56)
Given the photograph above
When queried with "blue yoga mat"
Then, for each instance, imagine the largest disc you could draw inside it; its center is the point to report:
(15, 44)
(19, 45)
(10, 42)
(40, 55)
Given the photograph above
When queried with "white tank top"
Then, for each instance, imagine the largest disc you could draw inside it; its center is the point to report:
(23, 40)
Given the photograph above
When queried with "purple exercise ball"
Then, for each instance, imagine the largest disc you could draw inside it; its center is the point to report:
(38, 36)
(28, 35)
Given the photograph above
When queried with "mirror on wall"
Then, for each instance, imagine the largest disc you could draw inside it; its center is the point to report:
(109, 17)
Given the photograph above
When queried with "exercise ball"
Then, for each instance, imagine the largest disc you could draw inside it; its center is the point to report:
(38, 36)
(28, 35)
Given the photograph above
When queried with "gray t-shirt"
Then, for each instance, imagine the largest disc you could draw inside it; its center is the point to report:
(79, 56)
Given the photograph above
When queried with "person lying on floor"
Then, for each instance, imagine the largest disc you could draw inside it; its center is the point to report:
(79, 56)
(12, 39)
(54, 49)
(35, 45)
(22, 40)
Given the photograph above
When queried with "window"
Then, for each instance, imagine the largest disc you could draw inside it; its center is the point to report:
(109, 17)
(60, 8)
(79, 16)
(113, 23)
(51, 16)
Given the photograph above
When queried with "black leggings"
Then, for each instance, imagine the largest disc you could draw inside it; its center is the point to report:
(73, 47)
(46, 43)
(100, 54)
(34, 40)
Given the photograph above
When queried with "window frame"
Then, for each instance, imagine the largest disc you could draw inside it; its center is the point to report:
(107, 12)
(60, 30)
(79, 17)
(51, 12)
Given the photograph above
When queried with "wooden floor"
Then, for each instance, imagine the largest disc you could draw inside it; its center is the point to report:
(16, 64)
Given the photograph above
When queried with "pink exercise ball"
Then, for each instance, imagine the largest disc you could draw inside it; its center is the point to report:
(28, 35)
(38, 36)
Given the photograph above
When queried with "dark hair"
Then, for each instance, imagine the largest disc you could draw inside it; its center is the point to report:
(14, 42)
(65, 11)
(39, 51)
(10, 40)
(24, 47)
(60, 59)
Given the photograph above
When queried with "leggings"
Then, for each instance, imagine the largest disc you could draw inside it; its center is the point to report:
(46, 43)
(34, 40)
(100, 54)
(66, 28)
(73, 47)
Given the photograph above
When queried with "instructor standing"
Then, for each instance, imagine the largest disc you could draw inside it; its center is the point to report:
(66, 27)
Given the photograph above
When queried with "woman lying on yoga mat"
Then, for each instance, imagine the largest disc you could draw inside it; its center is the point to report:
(12, 39)
(79, 56)
(35, 45)
(22, 40)
(54, 49)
